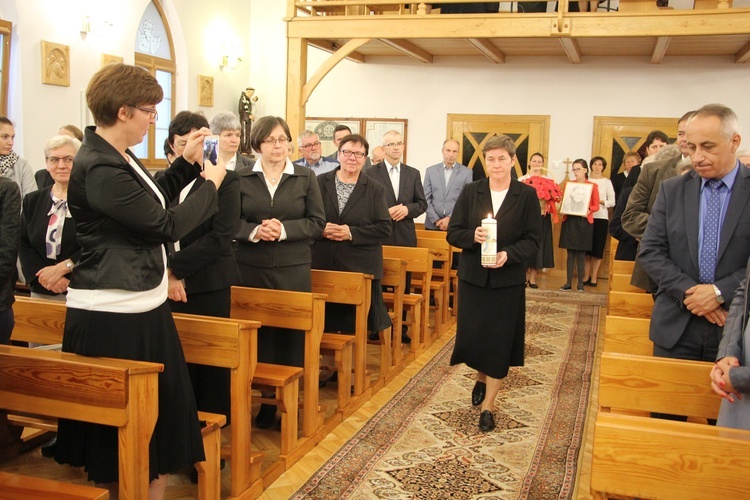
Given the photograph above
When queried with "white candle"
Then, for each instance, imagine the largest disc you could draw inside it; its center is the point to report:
(489, 247)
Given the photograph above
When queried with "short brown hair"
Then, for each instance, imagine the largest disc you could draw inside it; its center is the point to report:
(263, 128)
(500, 141)
(355, 139)
(118, 85)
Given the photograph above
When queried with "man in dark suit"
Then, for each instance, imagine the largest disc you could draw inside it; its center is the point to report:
(642, 198)
(697, 241)
(403, 191)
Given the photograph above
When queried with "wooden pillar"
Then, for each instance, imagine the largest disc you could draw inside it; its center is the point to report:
(296, 76)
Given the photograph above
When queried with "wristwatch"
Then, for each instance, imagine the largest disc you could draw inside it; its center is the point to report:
(69, 264)
(719, 296)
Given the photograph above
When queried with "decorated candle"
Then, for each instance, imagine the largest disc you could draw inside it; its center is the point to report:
(489, 247)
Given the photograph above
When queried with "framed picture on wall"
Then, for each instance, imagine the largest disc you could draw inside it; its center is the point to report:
(324, 127)
(576, 198)
(55, 64)
(376, 127)
(205, 90)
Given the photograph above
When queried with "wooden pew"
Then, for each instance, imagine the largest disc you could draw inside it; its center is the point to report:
(630, 304)
(43, 321)
(231, 344)
(627, 336)
(353, 289)
(622, 267)
(452, 273)
(621, 283)
(651, 458)
(298, 311)
(394, 276)
(419, 262)
(441, 281)
(18, 487)
(120, 393)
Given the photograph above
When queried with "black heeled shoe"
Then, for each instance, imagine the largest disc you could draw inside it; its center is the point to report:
(324, 382)
(266, 416)
(477, 394)
(486, 421)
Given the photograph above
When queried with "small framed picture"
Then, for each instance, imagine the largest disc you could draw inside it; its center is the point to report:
(576, 198)
(55, 64)
(205, 90)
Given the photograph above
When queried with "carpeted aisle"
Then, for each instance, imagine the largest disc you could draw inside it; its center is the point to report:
(424, 443)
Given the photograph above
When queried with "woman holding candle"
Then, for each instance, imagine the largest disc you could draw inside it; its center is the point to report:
(490, 338)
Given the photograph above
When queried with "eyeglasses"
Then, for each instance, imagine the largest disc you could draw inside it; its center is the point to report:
(273, 140)
(151, 111)
(357, 154)
(54, 160)
(394, 144)
(315, 144)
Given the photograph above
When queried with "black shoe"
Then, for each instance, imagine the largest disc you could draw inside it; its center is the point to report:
(580, 288)
(566, 287)
(49, 448)
(266, 417)
(533, 285)
(486, 421)
(477, 394)
(334, 377)
(405, 339)
(590, 283)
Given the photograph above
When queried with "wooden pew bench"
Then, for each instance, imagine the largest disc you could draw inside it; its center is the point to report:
(627, 335)
(621, 283)
(354, 289)
(18, 487)
(296, 311)
(631, 305)
(440, 283)
(650, 458)
(43, 321)
(452, 273)
(394, 277)
(120, 393)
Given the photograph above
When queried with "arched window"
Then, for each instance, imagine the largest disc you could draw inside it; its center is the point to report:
(154, 51)
(5, 32)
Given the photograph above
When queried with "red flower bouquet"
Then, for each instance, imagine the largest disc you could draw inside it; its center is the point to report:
(548, 193)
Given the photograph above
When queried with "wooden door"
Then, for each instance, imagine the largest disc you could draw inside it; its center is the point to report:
(530, 133)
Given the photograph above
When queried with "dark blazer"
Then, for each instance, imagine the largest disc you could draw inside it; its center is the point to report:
(367, 216)
(637, 211)
(206, 261)
(121, 224)
(669, 250)
(33, 243)
(627, 247)
(43, 178)
(411, 195)
(519, 232)
(297, 204)
(10, 208)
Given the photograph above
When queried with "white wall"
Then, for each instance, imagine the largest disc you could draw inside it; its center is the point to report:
(383, 87)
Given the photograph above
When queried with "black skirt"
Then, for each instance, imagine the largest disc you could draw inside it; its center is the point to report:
(149, 336)
(599, 238)
(491, 328)
(576, 233)
(545, 257)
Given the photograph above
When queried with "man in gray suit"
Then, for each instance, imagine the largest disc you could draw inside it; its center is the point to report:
(641, 200)
(697, 241)
(442, 185)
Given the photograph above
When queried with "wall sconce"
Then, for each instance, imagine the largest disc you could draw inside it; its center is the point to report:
(230, 61)
(85, 26)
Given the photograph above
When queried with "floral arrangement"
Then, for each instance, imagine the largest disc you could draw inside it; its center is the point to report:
(548, 192)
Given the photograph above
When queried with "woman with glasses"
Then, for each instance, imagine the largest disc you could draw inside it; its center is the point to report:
(117, 298)
(48, 246)
(281, 214)
(357, 221)
(227, 126)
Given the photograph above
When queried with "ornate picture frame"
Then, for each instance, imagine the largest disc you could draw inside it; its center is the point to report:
(205, 90)
(55, 64)
(371, 129)
(576, 198)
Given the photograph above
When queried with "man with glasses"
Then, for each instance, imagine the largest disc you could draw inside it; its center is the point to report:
(404, 194)
(309, 146)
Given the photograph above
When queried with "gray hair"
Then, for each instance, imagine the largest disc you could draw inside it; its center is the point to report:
(668, 152)
(391, 133)
(730, 124)
(224, 121)
(304, 135)
(60, 141)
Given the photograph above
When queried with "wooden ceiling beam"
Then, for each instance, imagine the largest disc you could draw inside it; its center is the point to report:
(488, 49)
(743, 55)
(330, 47)
(660, 49)
(570, 46)
(409, 49)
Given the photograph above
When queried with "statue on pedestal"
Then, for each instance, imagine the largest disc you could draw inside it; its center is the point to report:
(245, 110)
